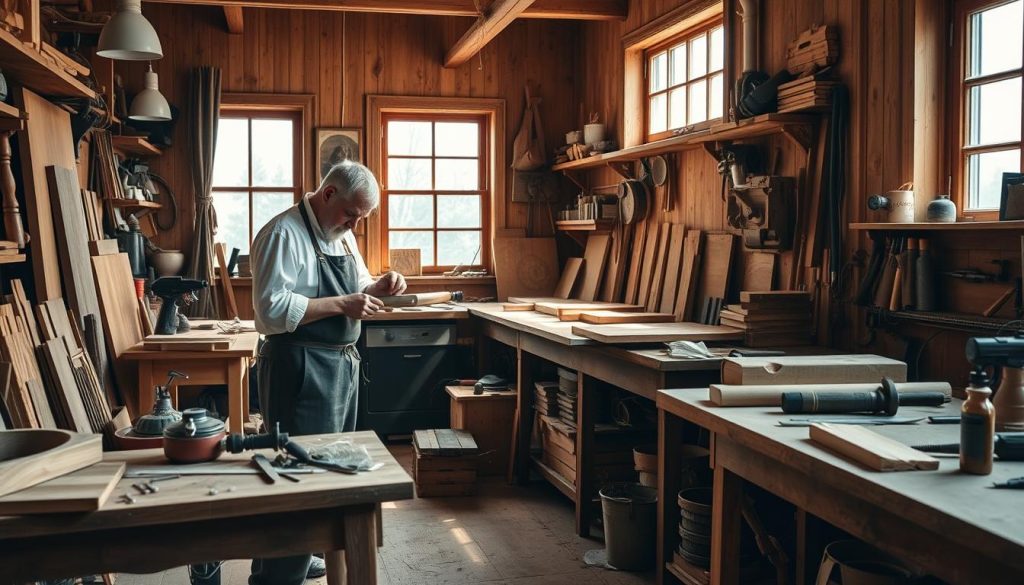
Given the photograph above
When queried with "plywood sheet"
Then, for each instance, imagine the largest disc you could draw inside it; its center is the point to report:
(45, 141)
(658, 278)
(715, 270)
(593, 265)
(567, 281)
(759, 272)
(525, 267)
(602, 317)
(85, 490)
(692, 248)
(631, 333)
(673, 269)
(647, 263)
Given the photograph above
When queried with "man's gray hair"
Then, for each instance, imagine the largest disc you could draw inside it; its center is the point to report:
(352, 179)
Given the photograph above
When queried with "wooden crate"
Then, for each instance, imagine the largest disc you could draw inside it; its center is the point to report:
(445, 463)
(488, 417)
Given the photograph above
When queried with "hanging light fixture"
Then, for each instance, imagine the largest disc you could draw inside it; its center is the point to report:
(150, 105)
(128, 36)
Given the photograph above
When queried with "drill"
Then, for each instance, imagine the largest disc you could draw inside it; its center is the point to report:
(174, 289)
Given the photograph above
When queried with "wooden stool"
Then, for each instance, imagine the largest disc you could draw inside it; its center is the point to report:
(488, 417)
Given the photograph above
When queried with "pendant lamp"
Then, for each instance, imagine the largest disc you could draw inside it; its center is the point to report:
(128, 36)
(150, 105)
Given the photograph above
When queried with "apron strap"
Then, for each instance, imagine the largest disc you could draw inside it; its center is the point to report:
(315, 243)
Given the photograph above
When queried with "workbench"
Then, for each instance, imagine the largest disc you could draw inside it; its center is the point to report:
(184, 523)
(206, 367)
(950, 524)
(536, 338)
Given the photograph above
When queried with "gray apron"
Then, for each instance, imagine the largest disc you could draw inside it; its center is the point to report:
(308, 379)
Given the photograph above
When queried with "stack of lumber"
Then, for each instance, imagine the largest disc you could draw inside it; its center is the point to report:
(545, 398)
(613, 454)
(445, 463)
(815, 48)
(776, 318)
(104, 166)
(567, 398)
(806, 93)
(93, 215)
(558, 442)
(8, 248)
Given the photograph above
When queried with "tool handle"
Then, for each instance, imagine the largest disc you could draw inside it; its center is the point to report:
(923, 399)
(830, 402)
(421, 299)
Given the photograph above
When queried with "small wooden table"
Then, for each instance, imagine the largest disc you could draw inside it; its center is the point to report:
(488, 417)
(222, 366)
(184, 524)
(951, 524)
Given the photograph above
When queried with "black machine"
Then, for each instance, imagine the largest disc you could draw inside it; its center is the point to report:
(404, 370)
(174, 290)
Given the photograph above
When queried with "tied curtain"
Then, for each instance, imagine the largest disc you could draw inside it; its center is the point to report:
(204, 113)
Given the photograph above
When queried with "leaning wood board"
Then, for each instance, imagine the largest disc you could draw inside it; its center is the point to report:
(630, 333)
(32, 456)
(525, 266)
(871, 449)
(758, 272)
(225, 281)
(46, 141)
(673, 269)
(716, 268)
(647, 268)
(85, 490)
(567, 281)
(635, 263)
(658, 278)
(603, 317)
(594, 259)
(120, 309)
(618, 260)
(692, 248)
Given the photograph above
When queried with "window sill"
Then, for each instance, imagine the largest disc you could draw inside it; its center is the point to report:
(431, 279)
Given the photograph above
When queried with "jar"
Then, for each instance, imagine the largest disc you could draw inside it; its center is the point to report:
(942, 210)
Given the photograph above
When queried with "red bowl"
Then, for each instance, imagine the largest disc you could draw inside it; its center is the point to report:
(193, 450)
(127, 440)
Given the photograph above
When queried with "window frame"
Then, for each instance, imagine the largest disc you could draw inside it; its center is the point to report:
(684, 37)
(959, 95)
(492, 110)
(482, 181)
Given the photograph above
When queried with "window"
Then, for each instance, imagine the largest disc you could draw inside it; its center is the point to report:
(436, 196)
(257, 171)
(989, 97)
(685, 80)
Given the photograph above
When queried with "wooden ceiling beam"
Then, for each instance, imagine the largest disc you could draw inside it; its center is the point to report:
(500, 15)
(234, 20)
(554, 9)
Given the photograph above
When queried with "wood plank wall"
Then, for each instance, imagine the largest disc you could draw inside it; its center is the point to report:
(341, 58)
(877, 64)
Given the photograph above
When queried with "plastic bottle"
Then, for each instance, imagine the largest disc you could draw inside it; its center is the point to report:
(977, 427)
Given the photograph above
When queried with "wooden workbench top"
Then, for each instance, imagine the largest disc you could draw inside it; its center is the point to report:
(421, 313)
(945, 501)
(546, 326)
(243, 345)
(188, 497)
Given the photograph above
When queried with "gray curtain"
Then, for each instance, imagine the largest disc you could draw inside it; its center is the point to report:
(204, 112)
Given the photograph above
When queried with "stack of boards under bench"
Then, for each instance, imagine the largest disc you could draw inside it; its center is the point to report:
(445, 463)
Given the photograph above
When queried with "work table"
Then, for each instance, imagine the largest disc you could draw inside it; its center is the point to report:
(427, 313)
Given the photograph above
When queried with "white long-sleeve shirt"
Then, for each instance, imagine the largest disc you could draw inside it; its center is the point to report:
(284, 268)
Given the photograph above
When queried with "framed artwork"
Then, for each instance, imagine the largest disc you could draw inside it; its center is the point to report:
(1011, 199)
(334, 145)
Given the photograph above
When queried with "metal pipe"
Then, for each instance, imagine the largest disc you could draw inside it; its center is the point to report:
(748, 10)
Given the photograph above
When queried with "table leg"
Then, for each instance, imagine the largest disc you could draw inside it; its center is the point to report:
(725, 527)
(361, 546)
(235, 409)
(246, 371)
(336, 571)
(146, 387)
(586, 400)
(670, 476)
(525, 375)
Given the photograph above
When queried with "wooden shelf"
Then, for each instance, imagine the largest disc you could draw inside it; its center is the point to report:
(960, 226)
(12, 259)
(585, 225)
(795, 126)
(561, 484)
(134, 146)
(134, 204)
(27, 67)
(9, 111)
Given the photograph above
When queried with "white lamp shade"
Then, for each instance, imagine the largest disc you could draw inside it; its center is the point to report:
(128, 36)
(150, 105)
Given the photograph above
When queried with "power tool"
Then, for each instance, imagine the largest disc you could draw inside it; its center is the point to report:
(174, 290)
(1006, 353)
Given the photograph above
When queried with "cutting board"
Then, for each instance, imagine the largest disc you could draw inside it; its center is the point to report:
(593, 265)
(568, 279)
(602, 317)
(525, 267)
(629, 333)
(84, 490)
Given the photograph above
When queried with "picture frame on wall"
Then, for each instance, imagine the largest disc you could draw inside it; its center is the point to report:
(1011, 198)
(334, 145)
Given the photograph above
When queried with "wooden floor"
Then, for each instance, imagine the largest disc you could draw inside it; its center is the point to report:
(505, 535)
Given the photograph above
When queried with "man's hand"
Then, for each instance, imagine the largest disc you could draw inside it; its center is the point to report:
(360, 305)
(390, 284)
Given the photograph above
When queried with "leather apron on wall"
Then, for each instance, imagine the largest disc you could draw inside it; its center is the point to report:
(308, 379)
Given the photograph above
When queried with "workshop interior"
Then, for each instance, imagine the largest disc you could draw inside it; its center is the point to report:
(674, 292)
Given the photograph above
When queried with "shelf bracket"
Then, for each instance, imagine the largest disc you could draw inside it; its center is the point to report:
(799, 134)
(572, 177)
(623, 169)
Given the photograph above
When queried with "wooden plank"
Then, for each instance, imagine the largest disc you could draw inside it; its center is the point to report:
(870, 448)
(716, 269)
(603, 317)
(692, 248)
(6, 384)
(225, 282)
(811, 369)
(119, 309)
(525, 267)
(647, 265)
(23, 309)
(657, 279)
(567, 281)
(66, 391)
(499, 16)
(759, 272)
(41, 404)
(85, 490)
(593, 265)
(103, 247)
(615, 270)
(32, 456)
(656, 332)
(635, 264)
(673, 269)
(234, 20)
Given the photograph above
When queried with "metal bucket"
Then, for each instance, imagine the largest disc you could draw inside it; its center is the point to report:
(630, 525)
(861, 564)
